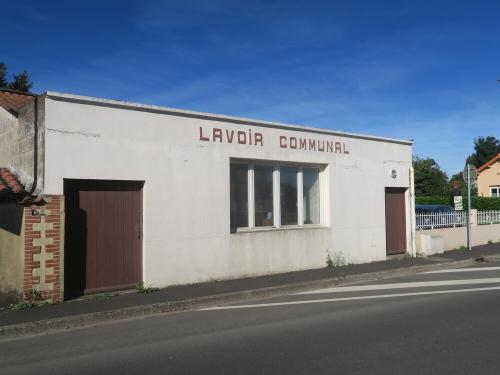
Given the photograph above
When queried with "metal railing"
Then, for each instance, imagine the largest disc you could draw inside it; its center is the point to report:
(488, 217)
(440, 220)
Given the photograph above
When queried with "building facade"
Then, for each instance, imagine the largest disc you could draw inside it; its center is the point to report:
(169, 197)
(488, 178)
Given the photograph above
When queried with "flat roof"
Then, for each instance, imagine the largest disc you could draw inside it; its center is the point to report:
(211, 116)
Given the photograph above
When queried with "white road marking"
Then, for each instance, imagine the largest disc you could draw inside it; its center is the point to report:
(351, 298)
(417, 284)
(451, 270)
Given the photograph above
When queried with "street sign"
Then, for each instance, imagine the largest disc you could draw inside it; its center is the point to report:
(458, 203)
(473, 172)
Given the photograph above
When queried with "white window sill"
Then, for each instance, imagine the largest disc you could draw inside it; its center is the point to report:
(287, 227)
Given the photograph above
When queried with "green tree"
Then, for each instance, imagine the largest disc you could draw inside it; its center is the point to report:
(21, 82)
(462, 185)
(485, 148)
(430, 180)
(3, 75)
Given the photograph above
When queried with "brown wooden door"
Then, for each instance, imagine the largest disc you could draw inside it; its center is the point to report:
(104, 247)
(395, 220)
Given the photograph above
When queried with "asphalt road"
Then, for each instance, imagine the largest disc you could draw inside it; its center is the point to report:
(435, 323)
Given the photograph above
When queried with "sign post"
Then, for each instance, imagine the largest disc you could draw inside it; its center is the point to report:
(470, 173)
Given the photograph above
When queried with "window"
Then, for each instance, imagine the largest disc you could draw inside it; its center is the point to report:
(239, 196)
(311, 195)
(495, 192)
(274, 195)
(288, 193)
(263, 187)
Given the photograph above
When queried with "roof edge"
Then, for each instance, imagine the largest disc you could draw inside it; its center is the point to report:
(211, 116)
(6, 89)
(493, 160)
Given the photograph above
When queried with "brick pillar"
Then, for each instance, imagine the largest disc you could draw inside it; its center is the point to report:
(44, 249)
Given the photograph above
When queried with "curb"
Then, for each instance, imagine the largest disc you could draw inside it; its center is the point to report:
(145, 311)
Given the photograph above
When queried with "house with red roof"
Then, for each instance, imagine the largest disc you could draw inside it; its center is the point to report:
(488, 178)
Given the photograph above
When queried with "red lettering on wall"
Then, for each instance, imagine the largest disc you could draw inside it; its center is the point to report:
(202, 138)
(345, 150)
(245, 137)
(312, 144)
(329, 146)
(283, 141)
(242, 138)
(216, 134)
(321, 145)
(259, 139)
(302, 143)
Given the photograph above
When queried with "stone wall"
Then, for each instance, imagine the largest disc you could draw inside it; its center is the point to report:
(17, 150)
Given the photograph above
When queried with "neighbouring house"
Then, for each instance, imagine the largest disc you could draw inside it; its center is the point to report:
(488, 178)
(139, 193)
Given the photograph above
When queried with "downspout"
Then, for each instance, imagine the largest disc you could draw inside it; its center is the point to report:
(412, 214)
(35, 149)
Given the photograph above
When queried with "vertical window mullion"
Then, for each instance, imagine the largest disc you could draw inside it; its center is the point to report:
(251, 197)
(300, 197)
(322, 198)
(276, 196)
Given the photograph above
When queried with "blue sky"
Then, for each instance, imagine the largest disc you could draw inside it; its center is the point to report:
(422, 70)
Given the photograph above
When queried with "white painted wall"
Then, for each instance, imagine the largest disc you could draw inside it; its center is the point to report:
(186, 191)
(429, 240)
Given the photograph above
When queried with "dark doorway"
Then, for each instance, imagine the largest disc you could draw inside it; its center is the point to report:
(103, 236)
(395, 220)
(11, 217)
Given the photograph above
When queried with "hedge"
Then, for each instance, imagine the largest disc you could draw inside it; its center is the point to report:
(479, 203)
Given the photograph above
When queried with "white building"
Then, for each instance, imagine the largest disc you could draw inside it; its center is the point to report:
(169, 197)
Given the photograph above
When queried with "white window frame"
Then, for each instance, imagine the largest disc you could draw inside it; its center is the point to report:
(277, 194)
(497, 188)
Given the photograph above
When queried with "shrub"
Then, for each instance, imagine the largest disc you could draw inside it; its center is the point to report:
(31, 299)
(337, 259)
(141, 288)
(479, 203)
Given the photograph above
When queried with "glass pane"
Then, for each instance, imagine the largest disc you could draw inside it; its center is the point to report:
(495, 192)
(311, 195)
(263, 180)
(288, 192)
(239, 195)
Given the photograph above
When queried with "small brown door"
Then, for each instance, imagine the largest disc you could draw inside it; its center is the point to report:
(104, 227)
(395, 220)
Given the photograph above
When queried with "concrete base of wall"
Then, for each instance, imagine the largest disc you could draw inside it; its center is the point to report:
(434, 241)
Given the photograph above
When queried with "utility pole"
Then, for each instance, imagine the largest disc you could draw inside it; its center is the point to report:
(469, 174)
(469, 226)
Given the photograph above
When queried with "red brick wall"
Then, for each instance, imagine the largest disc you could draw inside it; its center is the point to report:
(43, 249)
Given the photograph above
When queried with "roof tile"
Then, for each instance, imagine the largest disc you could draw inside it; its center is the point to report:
(13, 101)
(489, 163)
(11, 190)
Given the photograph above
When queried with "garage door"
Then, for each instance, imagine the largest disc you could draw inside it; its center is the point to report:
(103, 248)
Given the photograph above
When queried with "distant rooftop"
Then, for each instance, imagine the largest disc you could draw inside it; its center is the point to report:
(489, 163)
(13, 100)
